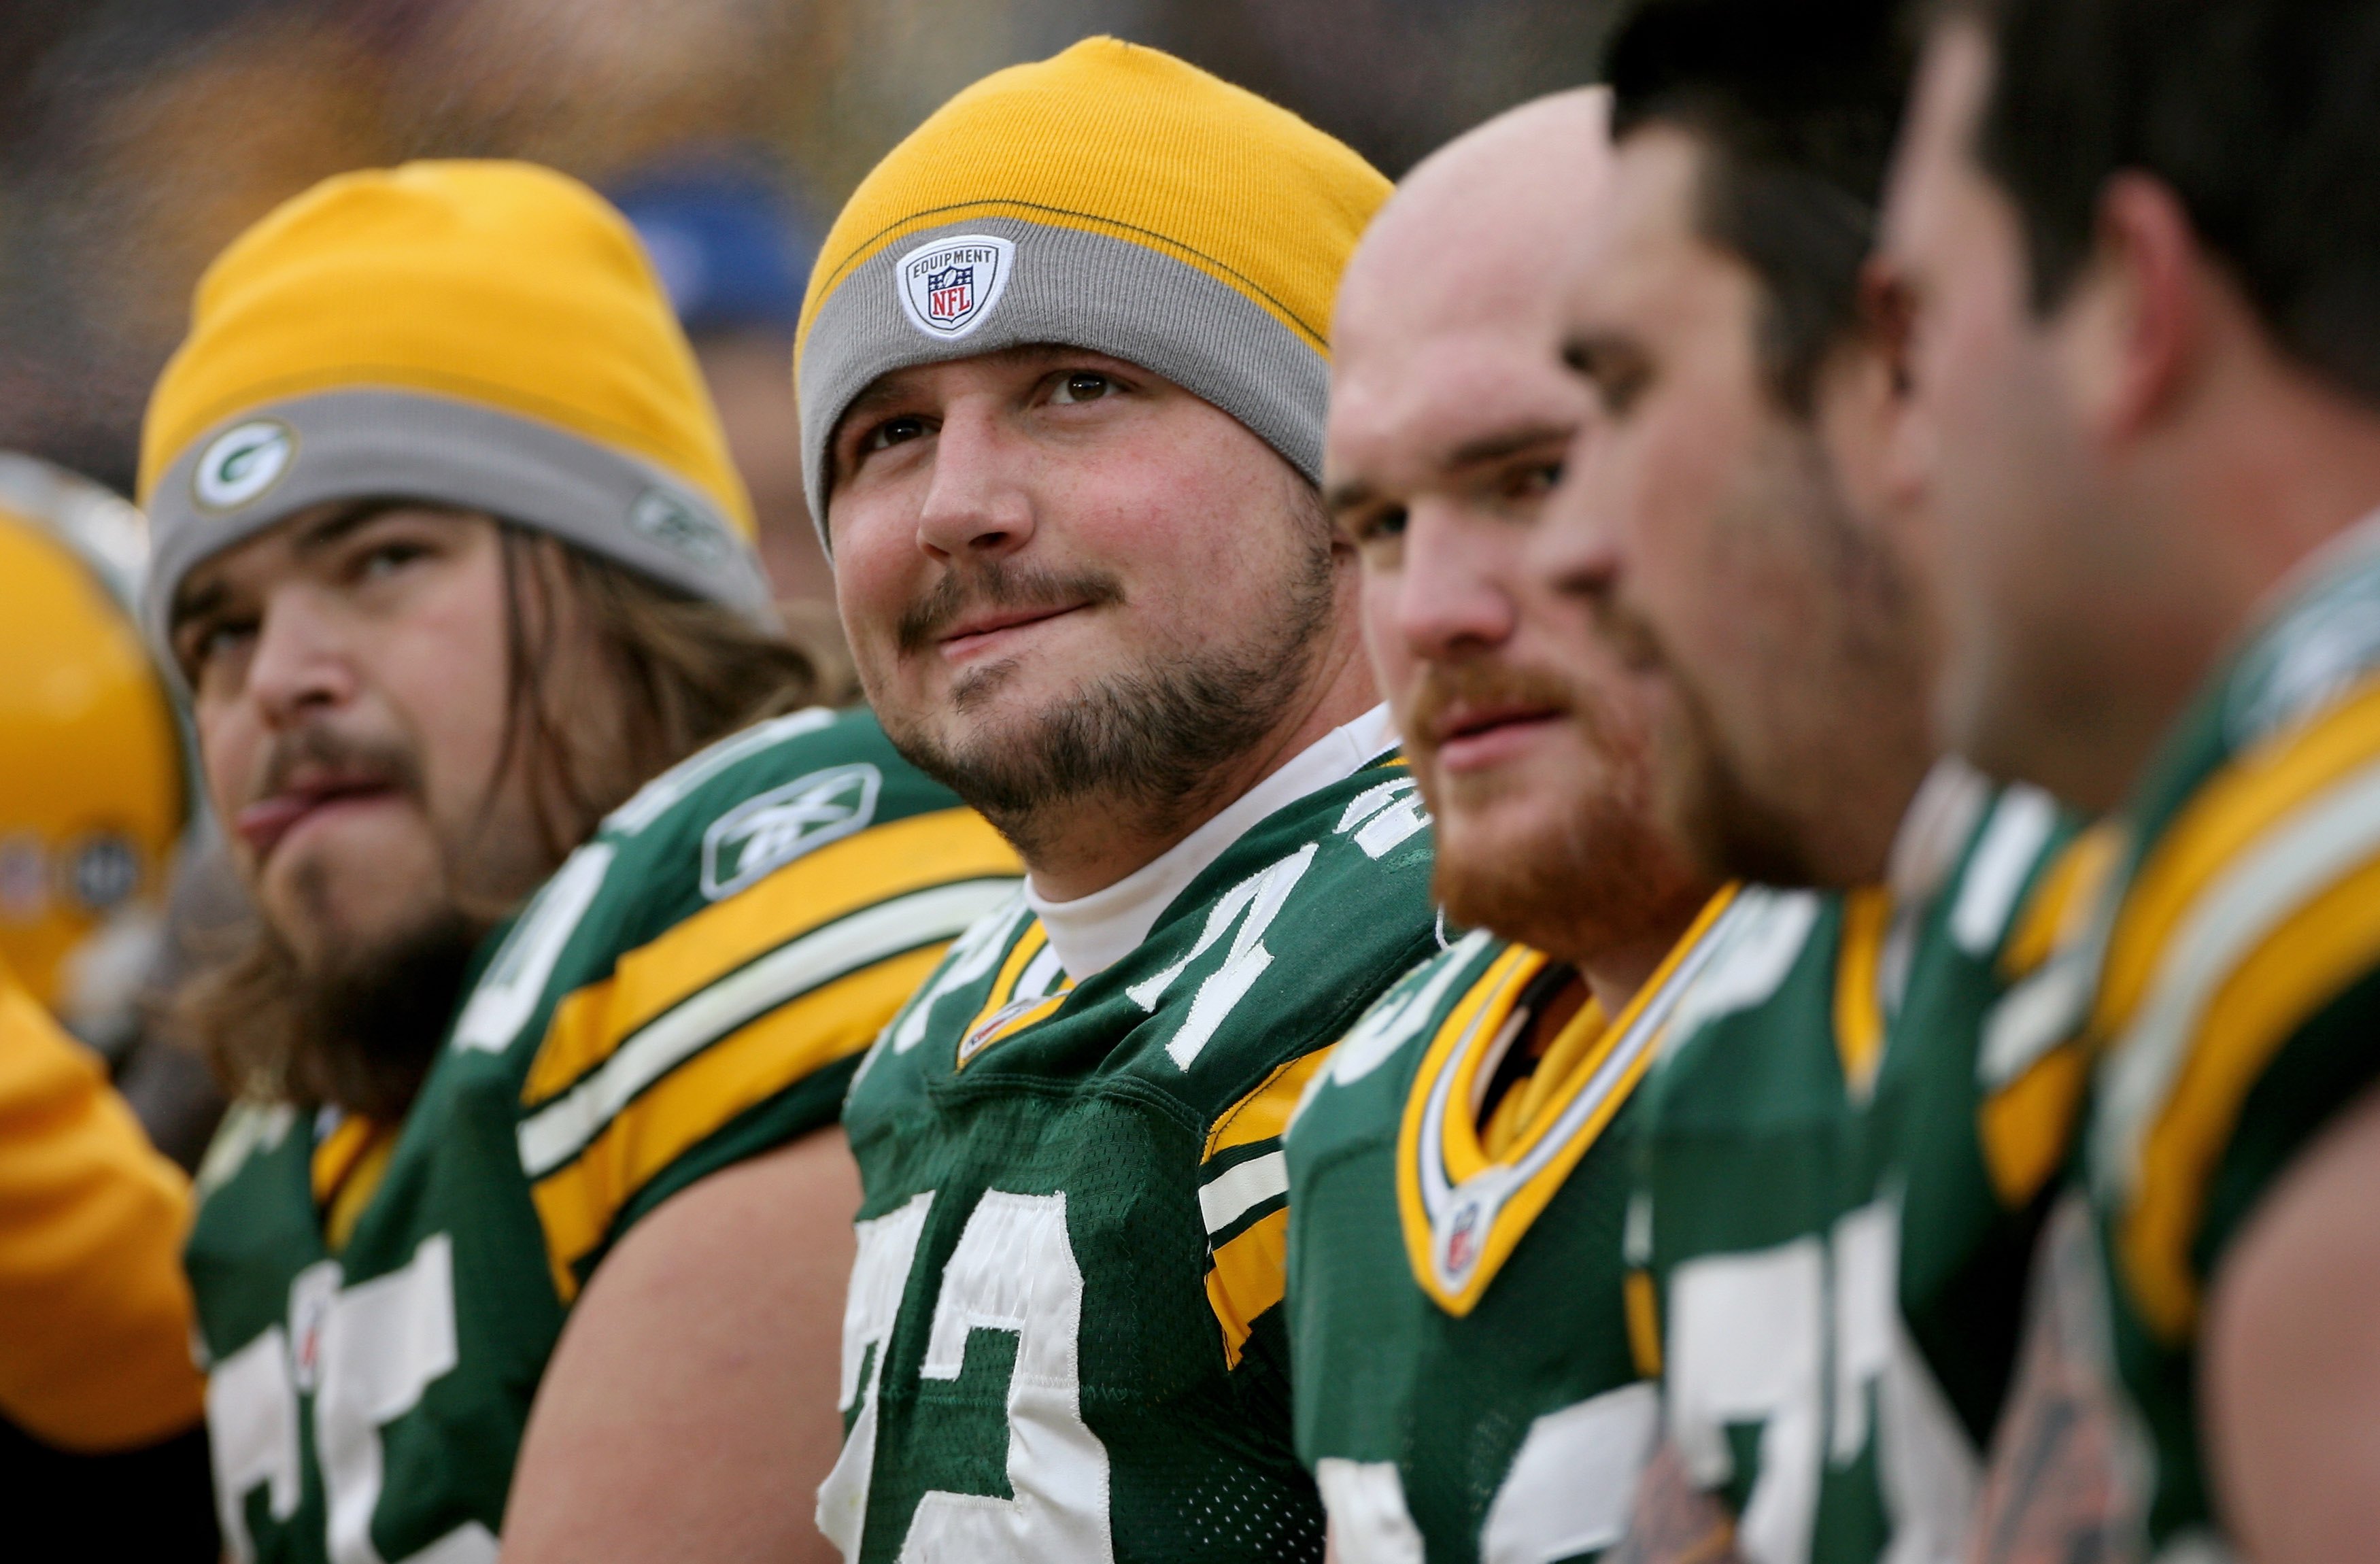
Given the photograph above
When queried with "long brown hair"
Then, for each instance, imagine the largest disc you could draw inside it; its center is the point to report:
(678, 674)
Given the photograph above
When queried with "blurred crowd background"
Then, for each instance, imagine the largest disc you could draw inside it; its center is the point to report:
(137, 137)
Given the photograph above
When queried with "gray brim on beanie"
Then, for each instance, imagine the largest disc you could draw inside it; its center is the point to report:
(273, 460)
(1024, 284)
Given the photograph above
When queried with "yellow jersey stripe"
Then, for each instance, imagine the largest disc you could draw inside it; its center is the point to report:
(356, 1190)
(1491, 1220)
(1002, 1015)
(336, 1155)
(1859, 999)
(2058, 911)
(1532, 1099)
(2026, 1126)
(557, 1132)
(2298, 964)
(1643, 1323)
(1251, 1272)
(883, 862)
(1487, 1032)
(577, 1204)
(1250, 1275)
(1264, 1113)
(2242, 801)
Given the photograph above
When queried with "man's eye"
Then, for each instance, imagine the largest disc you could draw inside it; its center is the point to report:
(891, 432)
(1081, 385)
(386, 559)
(1377, 533)
(1535, 481)
(1616, 373)
(224, 638)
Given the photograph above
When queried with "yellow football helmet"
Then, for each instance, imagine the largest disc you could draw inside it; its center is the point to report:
(91, 786)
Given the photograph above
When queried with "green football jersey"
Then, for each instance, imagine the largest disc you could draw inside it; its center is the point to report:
(1465, 1388)
(2236, 1009)
(1062, 1342)
(1839, 1186)
(690, 988)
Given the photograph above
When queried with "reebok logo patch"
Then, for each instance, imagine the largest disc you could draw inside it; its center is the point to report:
(765, 833)
(948, 287)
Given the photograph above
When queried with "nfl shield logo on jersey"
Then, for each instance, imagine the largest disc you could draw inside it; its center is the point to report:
(948, 287)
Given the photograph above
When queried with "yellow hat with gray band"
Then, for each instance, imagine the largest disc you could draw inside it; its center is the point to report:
(1113, 198)
(482, 335)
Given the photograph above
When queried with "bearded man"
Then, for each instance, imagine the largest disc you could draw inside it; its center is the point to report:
(1842, 1163)
(451, 559)
(1063, 382)
(1458, 1174)
(2141, 240)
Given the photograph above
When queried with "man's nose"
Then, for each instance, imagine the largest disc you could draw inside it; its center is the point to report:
(977, 505)
(301, 665)
(1452, 593)
(1574, 548)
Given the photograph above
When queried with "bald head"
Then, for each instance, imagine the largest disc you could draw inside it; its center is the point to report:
(1451, 414)
(1476, 233)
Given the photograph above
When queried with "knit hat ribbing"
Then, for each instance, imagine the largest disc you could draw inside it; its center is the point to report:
(1113, 198)
(483, 335)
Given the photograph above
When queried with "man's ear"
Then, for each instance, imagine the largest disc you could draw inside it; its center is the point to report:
(2131, 335)
(1888, 317)
(1865, 411)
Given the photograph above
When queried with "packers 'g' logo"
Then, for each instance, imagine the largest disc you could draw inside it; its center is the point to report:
(243, 463)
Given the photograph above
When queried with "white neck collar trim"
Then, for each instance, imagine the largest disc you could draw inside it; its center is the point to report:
(1092, 933)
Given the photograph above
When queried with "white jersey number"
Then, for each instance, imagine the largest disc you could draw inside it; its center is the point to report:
(1013, 1269)
(367, 1352)
(1796, 1339)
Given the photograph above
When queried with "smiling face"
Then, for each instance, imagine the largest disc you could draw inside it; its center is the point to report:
(351, 674)
(1713, 534)
(1067, 581)
(1450, 415)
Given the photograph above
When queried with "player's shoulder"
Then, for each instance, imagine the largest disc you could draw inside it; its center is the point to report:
(767, 795)
(1769, 962)
(1277, 948)
(1998, 847)
(252, 1141)
(2241, 975)
(774, 831)
(1357, 1094)
(1353, 859)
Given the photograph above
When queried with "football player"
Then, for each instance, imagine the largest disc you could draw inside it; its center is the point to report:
(1063, 381)
(1839, 1179)
(451, 558)
(98, 1397)
(2142, 242)
(1464, 1386)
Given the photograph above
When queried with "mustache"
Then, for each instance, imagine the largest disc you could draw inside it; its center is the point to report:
(1002, 588)
(318, 747)
(1444, 686)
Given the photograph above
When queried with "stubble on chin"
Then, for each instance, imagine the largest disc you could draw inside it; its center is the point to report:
(1603, 877)
(1720, 823)
(1149, 739)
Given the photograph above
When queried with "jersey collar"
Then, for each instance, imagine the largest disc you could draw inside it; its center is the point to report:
(1092, 933)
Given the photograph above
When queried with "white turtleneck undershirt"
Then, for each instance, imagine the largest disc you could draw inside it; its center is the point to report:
(1096, 931)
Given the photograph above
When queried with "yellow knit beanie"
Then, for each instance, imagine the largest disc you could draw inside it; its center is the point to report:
(1115, 198)
(481, 335)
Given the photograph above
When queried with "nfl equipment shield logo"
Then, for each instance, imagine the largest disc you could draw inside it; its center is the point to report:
(949, 295)
(948, 287)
